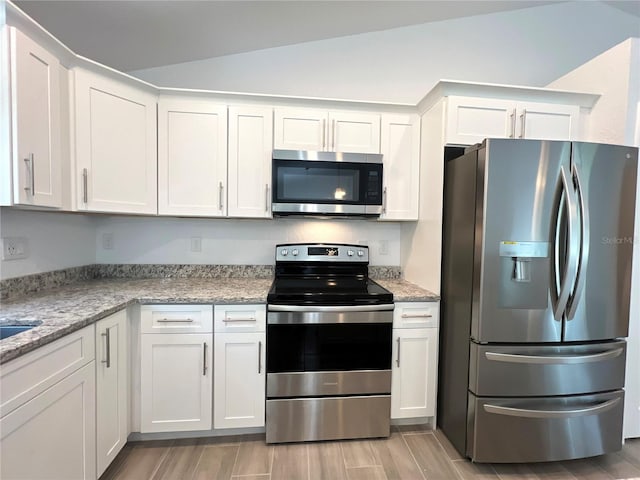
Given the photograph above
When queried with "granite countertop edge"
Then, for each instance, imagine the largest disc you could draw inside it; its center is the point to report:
(66, 309)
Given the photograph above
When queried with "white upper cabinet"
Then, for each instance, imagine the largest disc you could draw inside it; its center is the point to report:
(192, 157)
(470, 120)
(36, 158)
(116, 162)
(250, 149)
(400, 148)
(320, 130)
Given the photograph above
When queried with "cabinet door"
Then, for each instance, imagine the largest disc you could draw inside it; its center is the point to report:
(250, 150)
(175, 382)
(239, 380)
(400, 148)
(547, 121)
(354, 132)
(35, 129)
(192, 157)
(115, 146)
(53, 435)
(112, 393)
(470, 120)
(300, 129)
(413, 380)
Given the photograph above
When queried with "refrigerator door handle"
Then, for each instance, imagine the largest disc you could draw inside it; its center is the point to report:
(583, 258)
(553, 360)
(567, 281)
(530, 413)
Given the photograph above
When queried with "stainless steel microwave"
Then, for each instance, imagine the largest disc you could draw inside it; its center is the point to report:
(326, 183)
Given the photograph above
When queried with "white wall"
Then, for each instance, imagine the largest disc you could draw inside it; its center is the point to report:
(615, 75)
(529, 47)
(233, 242)
(55, 241)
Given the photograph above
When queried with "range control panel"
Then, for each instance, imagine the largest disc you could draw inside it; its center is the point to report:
(321, 252)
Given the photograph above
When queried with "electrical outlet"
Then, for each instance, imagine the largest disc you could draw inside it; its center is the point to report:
(14, 248)
(383, 248)
(196, 244)
(107, 241)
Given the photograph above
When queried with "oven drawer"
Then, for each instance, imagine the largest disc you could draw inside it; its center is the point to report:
(546, 370)
(328, 418)
(510, 430)
(309, 384)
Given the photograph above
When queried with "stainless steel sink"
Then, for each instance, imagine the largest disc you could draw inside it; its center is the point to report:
(10, 330)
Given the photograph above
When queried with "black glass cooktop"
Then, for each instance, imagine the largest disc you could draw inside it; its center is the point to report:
(327, 291)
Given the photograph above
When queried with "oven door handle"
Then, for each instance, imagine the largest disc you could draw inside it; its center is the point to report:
(332, 308)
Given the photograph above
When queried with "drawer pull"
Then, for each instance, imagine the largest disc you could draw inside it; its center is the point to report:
(239, 319)
(416, 315)
(529, 413)
(551, 360)
(175, 320)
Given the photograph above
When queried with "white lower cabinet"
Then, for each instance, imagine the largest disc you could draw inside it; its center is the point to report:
(112, 392)
(414, 360)
(239, 367)
(48, 424)
(176, 373)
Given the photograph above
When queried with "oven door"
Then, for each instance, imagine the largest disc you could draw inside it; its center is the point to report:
(328, 353)
(326, 187)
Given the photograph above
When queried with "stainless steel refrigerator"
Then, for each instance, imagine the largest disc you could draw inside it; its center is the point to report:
(537, 250)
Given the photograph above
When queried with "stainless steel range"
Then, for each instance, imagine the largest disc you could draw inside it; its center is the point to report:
(328, 346)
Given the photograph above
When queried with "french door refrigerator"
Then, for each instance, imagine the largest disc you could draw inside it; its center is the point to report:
(537, 254)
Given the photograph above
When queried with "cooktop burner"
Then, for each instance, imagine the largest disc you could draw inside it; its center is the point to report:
(324, 274)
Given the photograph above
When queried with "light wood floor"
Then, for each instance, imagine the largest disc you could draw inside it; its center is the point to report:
(410, 453)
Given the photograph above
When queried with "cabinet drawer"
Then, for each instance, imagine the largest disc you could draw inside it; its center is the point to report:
(176, 319)
(416, 315)
(25, 377)
(240, 318)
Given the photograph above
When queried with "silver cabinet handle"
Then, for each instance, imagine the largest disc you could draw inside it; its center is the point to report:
(85, 183)
(259, 357)
(416, 315)
(107, 334)
(266, 198)
(239, 319)
(553, 360)
(221, 195)
(523, 117)
(384, 200)
(530, 413)
(324, 133)
(31, 187)
(174, 320)
(512, 128)
(398, 357)
(333, 135)
(204, 359)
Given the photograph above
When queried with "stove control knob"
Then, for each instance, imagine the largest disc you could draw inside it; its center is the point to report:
(294, 252)
(350, 253)
(284, 252)
(360, 253)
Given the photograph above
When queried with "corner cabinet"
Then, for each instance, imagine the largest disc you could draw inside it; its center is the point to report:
(327, 131)
(115, 134)
(48, 416)
(239, 366)
(470, 120)
(400, 148)
(415, 358)
(112, 391)
(34, 156)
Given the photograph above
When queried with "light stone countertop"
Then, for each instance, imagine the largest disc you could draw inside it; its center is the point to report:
(63, 310)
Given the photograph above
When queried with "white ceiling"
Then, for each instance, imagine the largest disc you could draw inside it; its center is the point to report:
(132, 35)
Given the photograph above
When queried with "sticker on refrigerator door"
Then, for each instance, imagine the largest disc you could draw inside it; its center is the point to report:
(524, 249)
